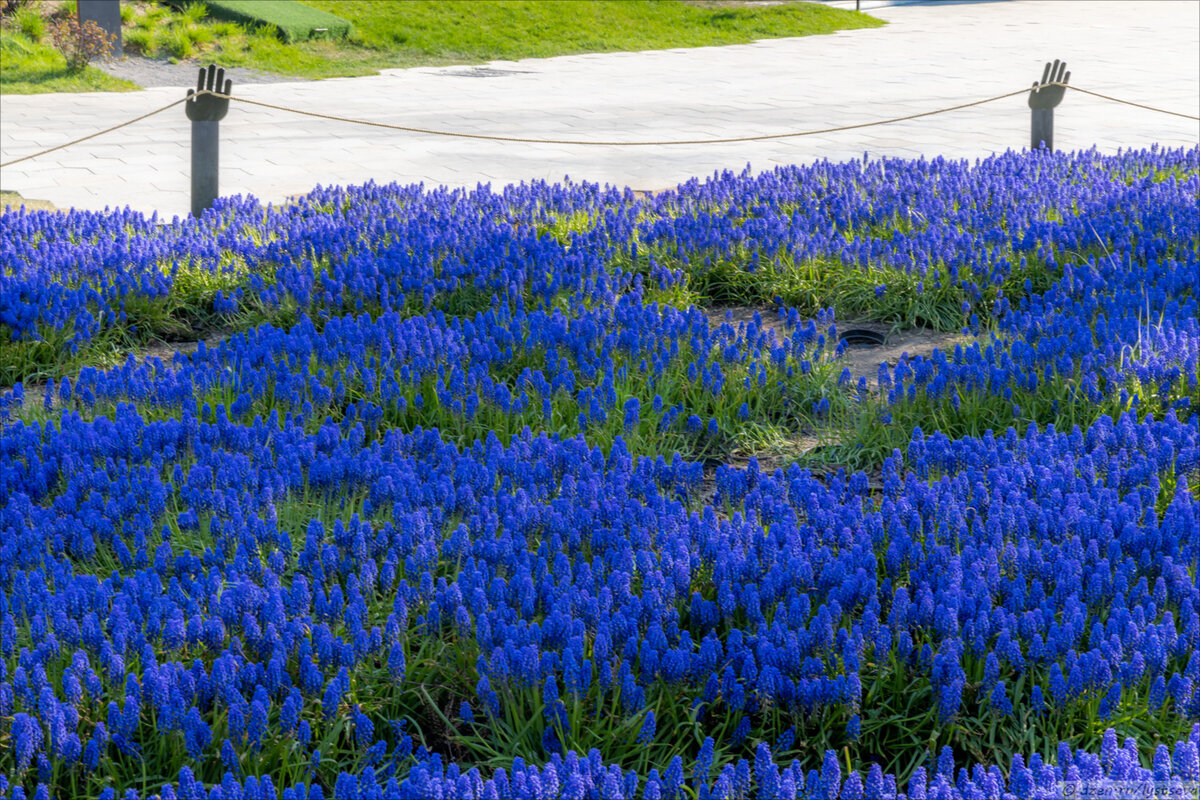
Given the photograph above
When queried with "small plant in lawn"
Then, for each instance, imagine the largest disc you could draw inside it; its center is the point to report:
(29, 21)
(80, 43)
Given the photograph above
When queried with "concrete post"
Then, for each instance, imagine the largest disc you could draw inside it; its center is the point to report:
(206, 163)
(206, 112)
(106, 14)
(1042, 128)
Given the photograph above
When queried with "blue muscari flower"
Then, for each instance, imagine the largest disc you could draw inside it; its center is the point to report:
(346, 787)
(991, 670)
(487, 696)
(257, 725)
(874, 788)
(1187, 760)
(1110, 702)
(704, 762)
(26, 739)
(646, 734)
(229, 757)
(1021, 780)
(853, 788)
(673, 778)
(949, 699)
(1058, 685)
(364, 729)
(830, 786)
(1037, 701)
(999, 701)
(196, 734)
(334, 691)
(724, 786)
(766, 771)
(917, 784)
(945, 763)
(632, 407)
(1162, 764)
(304, 732)
(1075, 681)
(1180, 689)
(854, 728)
(396, 662)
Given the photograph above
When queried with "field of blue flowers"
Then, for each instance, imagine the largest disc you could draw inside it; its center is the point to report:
(445, 504)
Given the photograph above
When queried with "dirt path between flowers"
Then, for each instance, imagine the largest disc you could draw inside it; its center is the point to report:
(35, 391)
(862, 361)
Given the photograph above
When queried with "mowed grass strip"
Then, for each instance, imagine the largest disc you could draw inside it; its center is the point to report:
(292, 21)
(483, 30)
(420, 33)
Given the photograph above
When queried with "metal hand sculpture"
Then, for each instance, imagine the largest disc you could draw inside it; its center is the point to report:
(1046, 94)
(207, 108)
(206, 112)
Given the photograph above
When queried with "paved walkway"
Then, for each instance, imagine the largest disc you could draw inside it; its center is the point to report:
(929, 56)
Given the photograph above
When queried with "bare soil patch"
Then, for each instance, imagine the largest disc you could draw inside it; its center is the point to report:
(862, 360)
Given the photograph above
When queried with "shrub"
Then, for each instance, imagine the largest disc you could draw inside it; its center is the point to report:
(12, 6)
(79, 43)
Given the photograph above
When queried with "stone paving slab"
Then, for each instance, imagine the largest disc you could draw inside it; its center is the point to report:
(929, 56)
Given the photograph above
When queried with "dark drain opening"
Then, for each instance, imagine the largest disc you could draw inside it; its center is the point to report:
(862, 336)
(486, 72)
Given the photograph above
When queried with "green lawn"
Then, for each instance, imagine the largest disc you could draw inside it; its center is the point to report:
(428, 32)
(28, 67)
(424, 33)
(419, 33)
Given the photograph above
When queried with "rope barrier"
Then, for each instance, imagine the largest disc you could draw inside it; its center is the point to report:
(1131, 103)
(586, 143)
(97, 133)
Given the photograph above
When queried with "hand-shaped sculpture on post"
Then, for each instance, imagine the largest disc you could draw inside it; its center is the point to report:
(1047, 94)
(206, 111)
(206, 107)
